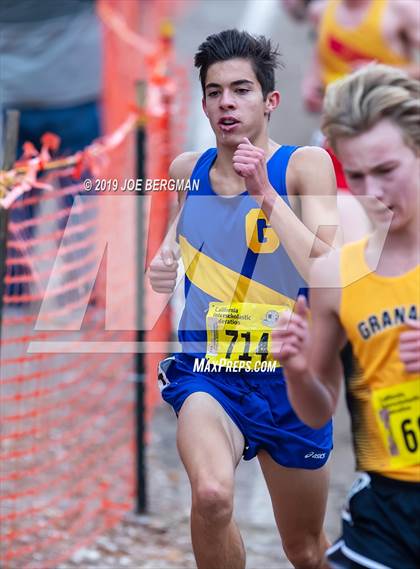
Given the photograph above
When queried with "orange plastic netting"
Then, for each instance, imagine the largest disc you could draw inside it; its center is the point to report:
(67, 437)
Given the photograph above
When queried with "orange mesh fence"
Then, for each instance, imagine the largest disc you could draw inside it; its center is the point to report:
(66, 444)
(67, 412)
(167, 103)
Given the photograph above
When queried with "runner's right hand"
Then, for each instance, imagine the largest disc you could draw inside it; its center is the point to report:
(163, 271)
(290, 339)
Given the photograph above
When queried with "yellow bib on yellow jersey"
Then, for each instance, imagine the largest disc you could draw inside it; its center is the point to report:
(383, 399)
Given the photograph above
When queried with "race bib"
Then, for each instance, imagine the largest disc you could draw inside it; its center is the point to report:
(397, 411)
(241, 332)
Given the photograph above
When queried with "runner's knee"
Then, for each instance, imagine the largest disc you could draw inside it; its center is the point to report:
(213, 501)
(303, 555)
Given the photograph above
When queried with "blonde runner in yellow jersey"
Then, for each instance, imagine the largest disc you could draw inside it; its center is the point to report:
(368, 294)
(383, 398)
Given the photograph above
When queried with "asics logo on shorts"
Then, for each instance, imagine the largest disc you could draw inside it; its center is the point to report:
(312, 454)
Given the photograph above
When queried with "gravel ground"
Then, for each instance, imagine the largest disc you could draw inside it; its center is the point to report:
(161, 540)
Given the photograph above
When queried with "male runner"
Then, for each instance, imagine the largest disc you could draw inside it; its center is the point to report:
(352, 33)
(246, 237)
(372, 120)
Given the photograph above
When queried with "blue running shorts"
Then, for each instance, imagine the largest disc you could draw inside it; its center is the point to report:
(257, 403)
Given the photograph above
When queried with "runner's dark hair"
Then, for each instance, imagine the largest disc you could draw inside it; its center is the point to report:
(232, 44)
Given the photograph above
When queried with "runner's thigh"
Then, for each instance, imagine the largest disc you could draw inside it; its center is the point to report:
(299, 498)
(209, 442)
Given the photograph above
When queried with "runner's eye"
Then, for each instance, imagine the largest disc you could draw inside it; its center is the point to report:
(354, 176)
(385, 170)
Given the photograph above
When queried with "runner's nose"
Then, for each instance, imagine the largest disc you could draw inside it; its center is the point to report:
(227, 101)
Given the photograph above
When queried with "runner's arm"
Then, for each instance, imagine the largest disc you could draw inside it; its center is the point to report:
(408, 14)
(315, 12)
(180, 169)
(311, 228)
(312, 85)
(164, 266)
(313, 392)
(316, 187)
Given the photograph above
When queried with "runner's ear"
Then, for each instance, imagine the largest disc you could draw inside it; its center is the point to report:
(272, 101)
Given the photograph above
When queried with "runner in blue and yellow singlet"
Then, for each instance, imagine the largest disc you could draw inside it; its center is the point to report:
(255, 216)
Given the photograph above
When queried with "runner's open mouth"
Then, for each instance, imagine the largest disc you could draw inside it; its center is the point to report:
(228, 121)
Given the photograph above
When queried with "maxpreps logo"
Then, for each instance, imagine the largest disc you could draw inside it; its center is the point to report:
(313, 454)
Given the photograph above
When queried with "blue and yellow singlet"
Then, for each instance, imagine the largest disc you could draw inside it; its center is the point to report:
(238, 274)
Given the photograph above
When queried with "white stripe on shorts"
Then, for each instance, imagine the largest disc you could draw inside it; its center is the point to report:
(335, 547)
(361, 559)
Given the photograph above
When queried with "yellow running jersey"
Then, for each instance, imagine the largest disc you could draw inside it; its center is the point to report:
(340, 47)
(383, 399)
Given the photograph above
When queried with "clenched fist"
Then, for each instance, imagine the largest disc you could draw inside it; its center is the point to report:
(163, 271)
(249, 162)
(410, 347)
(291, 337)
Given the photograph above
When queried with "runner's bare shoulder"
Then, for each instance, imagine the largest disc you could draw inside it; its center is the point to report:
(310, 171)
(181, 169)
(183, 165)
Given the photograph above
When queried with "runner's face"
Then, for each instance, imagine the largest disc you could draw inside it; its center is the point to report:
(233, 102)
(379, 164)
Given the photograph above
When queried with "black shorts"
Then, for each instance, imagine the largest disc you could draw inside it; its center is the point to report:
(381, 526)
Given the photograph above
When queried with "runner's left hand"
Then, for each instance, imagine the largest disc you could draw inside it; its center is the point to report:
(249, 162)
